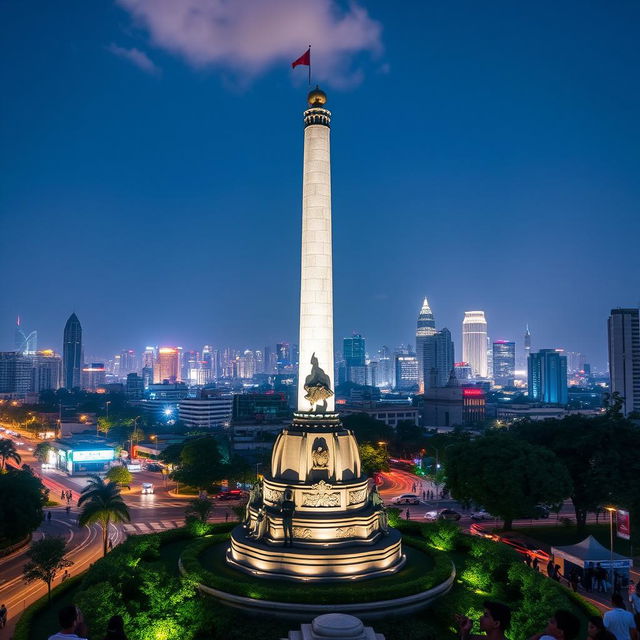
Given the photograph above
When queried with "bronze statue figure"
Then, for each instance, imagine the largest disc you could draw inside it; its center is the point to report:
(318, 387)
(287, 509)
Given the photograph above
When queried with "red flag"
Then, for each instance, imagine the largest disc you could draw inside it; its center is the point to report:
(304, 59)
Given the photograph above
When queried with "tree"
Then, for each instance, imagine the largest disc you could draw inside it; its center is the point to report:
(409, 438)
(368, 429)
(507, 476)
(42, 450)
(46, 558)
(592, 451)
(105, 425)
(199, 508)
(22, 497)
(171, 454)
(8, 451)
(200, 464)
(101, 502)
(373, 458)
(120, 475)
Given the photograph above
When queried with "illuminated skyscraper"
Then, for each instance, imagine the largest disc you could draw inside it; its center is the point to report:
(167, 365)
(474, 342)
(504, 362)
(527, 344)
(26, 344)
(72, 353)
(47, 371)
(406, 372)
(548, 377)
(426, 327)
(624, 357)
(128, 362)
(438, 359)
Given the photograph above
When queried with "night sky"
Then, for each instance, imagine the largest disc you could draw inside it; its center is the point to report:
(484, 154)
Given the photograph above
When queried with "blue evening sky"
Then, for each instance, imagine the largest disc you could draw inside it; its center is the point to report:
(484, 154)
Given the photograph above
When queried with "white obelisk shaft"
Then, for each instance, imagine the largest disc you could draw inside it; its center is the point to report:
(316, 284)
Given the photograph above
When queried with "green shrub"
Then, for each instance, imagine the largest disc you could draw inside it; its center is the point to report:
(441, 535)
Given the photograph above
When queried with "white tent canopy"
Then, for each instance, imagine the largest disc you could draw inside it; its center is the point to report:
(590, 552)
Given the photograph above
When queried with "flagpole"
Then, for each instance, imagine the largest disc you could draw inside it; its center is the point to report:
(309, 65)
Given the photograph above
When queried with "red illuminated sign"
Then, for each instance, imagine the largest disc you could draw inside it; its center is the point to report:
(472, 393)
(623, 525)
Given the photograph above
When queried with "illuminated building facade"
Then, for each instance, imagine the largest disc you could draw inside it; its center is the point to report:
(93, 376)
(504, 363)
(452, 405)
(167, 366)
(15, 373)
(426, 327)
(72, 353)
(407, 374)
(547, 382)
(437, 359)
(624, 357)
(474, 342)
(47, 371)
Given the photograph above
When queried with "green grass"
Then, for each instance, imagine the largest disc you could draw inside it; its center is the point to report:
(562, 536)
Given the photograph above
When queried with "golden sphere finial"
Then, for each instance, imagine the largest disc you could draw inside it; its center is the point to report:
(317, 97)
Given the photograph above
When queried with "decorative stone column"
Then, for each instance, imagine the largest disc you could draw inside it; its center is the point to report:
(316, 278)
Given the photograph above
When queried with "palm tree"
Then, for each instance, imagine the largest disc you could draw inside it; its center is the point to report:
(101, 502)
(8, 452)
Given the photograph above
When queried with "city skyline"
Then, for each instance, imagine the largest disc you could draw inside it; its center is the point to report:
(116, 182)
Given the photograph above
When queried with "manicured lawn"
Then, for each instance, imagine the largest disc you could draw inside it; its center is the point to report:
(562, 536)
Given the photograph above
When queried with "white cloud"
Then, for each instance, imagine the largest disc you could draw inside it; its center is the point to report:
(250, 36)
(135, 56)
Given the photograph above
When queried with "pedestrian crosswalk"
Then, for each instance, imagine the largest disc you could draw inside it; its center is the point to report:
(152, 527)
(143, 503)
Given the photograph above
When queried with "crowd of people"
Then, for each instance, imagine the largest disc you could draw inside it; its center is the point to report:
(72, 626)
(616, 624)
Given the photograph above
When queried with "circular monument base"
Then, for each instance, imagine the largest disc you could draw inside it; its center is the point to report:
(315, 564)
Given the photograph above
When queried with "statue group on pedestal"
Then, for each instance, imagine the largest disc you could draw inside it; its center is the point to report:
(260, 527)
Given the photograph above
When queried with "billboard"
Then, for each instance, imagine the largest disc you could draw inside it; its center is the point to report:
(623, 526)
(93, 456)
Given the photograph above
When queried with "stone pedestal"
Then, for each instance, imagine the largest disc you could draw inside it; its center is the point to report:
(334, 626)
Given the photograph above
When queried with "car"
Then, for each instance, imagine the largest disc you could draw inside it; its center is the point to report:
(524, 548)
(443, 514)
(147, 487)
(19, 442)
(449, 514)
(233, 494)
(406, 498)
(481, 514)
(541, 511)
(154, 466)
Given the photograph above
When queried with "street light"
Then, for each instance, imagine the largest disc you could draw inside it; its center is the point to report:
(611, 510)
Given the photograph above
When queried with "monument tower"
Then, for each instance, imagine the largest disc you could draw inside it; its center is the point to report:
(315, 516)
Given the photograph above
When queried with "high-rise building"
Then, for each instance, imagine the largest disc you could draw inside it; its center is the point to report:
(47, 371)
(15, 372)
(527, 343)
(548, 377)
(128, 362)
(575, 361)
(149, 357)
(72, 353)
(26, 344)
(474, 342)
(385, 367)
(426, 327)
(407, 372)
(624, 357)
(462, 371)
(283, 355)
(134, 387)
(438, 358)
(354, 356)
(504, 363)
(167, 365)
(93, 376)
